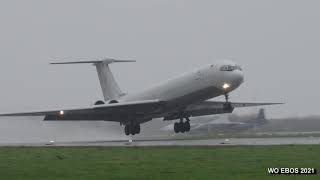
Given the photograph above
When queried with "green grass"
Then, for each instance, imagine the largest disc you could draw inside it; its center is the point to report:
(89, 163)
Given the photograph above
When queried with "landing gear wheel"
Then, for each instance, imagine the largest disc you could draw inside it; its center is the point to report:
(127, 130)
(187, 126)
(176, 128)
(137, 129)
(132, 129)
(181, 127)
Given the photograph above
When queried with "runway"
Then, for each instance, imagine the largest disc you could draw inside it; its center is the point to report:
(159, 142)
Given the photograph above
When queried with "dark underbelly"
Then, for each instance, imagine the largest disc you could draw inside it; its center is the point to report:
(194, 97)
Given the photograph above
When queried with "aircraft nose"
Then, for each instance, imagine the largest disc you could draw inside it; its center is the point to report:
(238, 77)
(235, 79)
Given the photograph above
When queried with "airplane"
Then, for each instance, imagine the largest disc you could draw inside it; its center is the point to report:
(258, 119)
(179, 98)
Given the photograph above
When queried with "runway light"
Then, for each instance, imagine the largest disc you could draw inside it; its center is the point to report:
(61, 113)
(226, 86)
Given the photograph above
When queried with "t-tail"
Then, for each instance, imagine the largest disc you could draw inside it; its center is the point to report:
(109, 86)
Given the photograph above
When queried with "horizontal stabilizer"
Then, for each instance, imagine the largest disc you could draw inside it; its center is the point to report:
(106, 61)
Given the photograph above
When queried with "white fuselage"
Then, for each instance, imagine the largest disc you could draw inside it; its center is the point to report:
(205, 83)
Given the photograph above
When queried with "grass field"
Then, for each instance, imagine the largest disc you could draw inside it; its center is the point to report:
(90, 163)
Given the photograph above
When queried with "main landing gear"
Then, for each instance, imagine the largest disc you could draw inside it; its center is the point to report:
(132, 129)
(182, 126)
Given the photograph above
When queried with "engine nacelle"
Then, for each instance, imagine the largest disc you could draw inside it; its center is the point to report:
(99, 103)
(113, 102)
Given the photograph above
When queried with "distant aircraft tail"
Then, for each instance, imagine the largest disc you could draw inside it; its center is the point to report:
(261, 114)
(109, 86)
(261, 117)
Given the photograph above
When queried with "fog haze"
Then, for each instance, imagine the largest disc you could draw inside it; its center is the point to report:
(276, 43)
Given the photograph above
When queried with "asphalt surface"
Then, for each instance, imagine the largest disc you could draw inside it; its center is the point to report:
(207, 142)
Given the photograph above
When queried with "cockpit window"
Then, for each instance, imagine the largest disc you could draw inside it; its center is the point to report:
(230, 68)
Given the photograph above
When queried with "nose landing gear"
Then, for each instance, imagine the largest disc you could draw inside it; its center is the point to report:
(182, 126)
(227, 106)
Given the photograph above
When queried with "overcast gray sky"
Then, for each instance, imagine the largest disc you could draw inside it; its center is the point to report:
(275, 41)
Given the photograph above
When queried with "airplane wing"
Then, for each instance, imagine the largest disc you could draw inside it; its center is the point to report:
(109, 112)
(119, 111)
(213, 107)
(239, 105)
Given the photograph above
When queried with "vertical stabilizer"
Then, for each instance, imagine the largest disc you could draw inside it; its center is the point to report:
(109, 86)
